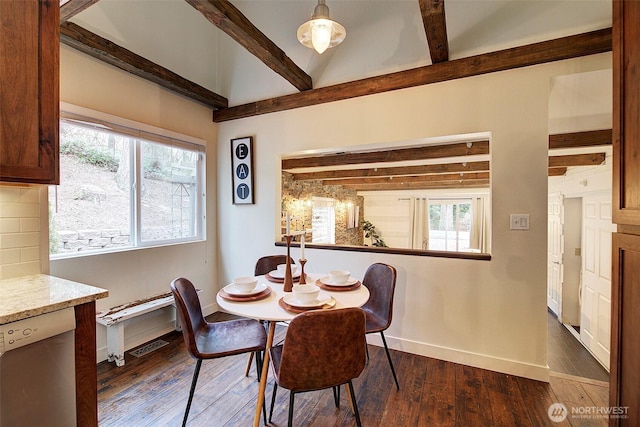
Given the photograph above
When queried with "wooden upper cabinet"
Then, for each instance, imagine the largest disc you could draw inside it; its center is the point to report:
(626, 112)
(29, 91)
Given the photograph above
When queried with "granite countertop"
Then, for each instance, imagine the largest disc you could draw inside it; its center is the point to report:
(29, 296)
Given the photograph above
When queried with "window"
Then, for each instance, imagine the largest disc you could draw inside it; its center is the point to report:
(122, 188)
(323, 220)
(450, 225)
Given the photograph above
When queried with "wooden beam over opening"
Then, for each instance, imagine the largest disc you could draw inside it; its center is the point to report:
(590, 159)
(472, 176)
(557, 171)
(420, 185)
(435, 27)
(537, 53)
(395, 171)
(581, 139)
(227, 18)
(402, 154)
(93, 45)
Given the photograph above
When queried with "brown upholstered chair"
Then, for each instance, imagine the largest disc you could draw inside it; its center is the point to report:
(380, 279)
(269, 263)
(206, 340)
(322, 349)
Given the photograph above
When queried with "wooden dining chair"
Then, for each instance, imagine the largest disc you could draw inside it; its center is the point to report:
(380, 279)
(205, 340)
(269, 263)
(322, 349)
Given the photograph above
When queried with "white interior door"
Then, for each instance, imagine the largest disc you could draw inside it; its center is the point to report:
(595, 311)
(555, 246)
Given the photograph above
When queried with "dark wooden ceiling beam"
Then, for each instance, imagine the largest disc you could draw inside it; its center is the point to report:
(93, 45)
(435, 27)
(581, 139)
(471, 176)
(398, 155)
(395, 171)
(227, 18)
(590, 159)
(537, 53)
(420, 185)
(424, 182)
(71, 8)
(557, 171)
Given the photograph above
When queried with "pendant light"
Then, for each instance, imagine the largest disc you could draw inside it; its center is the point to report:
(320, 32)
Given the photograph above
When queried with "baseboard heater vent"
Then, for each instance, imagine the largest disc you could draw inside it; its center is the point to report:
(148, 348)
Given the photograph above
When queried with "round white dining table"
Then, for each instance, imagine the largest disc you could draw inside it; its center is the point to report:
(269, 309)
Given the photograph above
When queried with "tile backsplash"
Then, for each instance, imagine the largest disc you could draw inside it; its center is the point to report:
(20, 228)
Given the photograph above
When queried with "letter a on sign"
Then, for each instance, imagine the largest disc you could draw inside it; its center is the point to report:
(242, 170)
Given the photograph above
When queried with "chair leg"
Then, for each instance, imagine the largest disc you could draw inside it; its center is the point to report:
(196, 372)
(273, 399)
(354, 404)
(386, 349)
(259, 362)
(336, 395)
(259, 358)
(249, 362)
(290, 419)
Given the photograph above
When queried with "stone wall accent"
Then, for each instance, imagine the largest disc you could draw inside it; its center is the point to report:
(81, 240)
(296, 199)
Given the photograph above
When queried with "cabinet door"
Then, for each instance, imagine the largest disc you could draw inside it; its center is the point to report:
(29, 92)
(625, 329)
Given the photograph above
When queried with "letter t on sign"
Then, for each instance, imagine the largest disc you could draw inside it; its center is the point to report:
(242, 170)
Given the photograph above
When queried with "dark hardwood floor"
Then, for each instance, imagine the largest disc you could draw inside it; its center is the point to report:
(152, 391)
(568, 356)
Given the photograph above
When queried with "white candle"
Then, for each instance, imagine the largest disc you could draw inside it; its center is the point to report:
(288, 223)
(302, 246)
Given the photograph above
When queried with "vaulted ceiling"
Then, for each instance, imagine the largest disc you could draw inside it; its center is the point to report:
(242, 58)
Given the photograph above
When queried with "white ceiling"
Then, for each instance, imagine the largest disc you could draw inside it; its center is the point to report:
(382, 36)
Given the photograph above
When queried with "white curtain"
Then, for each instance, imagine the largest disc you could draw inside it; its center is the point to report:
(479, 235)
(419, 224)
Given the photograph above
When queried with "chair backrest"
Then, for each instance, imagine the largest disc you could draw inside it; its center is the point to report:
(269, 263)
(189, 312)
(322, 349)
(380, 279)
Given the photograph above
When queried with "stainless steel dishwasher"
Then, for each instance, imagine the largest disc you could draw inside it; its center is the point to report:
(37, 371)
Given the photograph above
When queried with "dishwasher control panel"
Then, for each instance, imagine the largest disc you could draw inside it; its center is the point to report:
(27, 331)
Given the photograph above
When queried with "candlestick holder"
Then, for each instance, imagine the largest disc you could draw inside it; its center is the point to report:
(302, 280)
(288, 277)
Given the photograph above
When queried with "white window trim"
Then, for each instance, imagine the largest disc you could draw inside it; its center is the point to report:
(144, 131)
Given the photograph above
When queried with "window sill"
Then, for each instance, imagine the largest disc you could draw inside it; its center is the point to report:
(395, 251)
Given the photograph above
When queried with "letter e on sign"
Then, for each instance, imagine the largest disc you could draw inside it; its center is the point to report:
(242, 170)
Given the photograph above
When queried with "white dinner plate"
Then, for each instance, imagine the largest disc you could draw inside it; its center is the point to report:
(232, 290)
(327, 281)
(322, 299)
(276, 275)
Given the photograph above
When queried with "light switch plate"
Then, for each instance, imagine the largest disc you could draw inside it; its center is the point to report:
(519, 221)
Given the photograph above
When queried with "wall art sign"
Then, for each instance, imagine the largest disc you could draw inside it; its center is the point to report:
(242, 170)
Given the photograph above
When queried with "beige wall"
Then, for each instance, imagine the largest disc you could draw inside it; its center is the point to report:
(141, 273)
(484, 313)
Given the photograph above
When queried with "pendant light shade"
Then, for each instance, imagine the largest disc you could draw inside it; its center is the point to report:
(320, 32)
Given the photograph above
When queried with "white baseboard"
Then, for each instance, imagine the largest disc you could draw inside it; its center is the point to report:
(505, 366)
